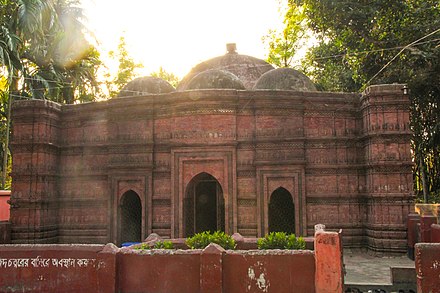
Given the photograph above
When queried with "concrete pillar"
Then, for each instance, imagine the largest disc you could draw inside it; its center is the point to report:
(106, 266)
(5, 232)
(211, 269)
(425, 227)
(412, 234)
(427, 267)
(435, 233)
(329, 275)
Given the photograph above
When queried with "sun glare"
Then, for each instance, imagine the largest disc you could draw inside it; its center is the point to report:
(176, 35)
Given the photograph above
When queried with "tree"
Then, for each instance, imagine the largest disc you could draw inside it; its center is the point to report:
(364, 42)
(360, 37)
(284, 45)
(44, 54)
(55, 61)
(4, 129)
(126, 69)
(167, 76)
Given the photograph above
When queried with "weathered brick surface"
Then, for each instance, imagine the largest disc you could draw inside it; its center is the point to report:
(344, 158)
(427, 261)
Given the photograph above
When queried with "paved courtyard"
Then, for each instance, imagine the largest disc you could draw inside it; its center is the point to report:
(364, 269)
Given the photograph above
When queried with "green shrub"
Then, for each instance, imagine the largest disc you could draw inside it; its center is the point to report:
(294, 242)
(166, 244)
(280, 240)
(203, 239)
(142, 246)
(273, 240)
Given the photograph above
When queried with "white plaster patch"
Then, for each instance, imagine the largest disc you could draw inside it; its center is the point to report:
(261, 283)
(251, 273)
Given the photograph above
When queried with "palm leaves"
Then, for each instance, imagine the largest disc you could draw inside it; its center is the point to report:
(44, 42)
(8, 53)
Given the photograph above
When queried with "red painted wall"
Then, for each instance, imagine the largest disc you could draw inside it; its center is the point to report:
(5, 232)
(428, 267)
(99, 268)
(263, 271)
(329, 277)
(425, 227)
(435, 233)
(4, 206)
(159, 271)
(57, 268)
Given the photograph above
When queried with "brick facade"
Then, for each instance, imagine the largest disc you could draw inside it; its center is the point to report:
(344, 158)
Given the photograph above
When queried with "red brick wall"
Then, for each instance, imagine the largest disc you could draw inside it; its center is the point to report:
(35, 172)
(386, 140)
(345, 160)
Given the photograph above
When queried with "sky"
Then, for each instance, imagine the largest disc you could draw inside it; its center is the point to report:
(179, 34)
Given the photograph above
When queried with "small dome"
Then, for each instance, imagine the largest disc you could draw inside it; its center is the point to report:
(144, 86)
(285, 79)
(248, 69)
(215, 79)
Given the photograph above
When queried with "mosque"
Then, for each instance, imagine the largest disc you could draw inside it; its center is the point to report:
(239, 146)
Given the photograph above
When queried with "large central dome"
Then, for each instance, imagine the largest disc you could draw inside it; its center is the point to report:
(248, 69)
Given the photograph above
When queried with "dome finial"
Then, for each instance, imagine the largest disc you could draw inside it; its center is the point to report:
(231, 48)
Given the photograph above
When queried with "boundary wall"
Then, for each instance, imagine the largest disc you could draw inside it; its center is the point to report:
(106, 268)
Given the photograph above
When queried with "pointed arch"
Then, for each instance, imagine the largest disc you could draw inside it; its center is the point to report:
(204, 205)
(281, 211)
(130, 217)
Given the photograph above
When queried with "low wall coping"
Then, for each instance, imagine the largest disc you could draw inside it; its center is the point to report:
(270, 252)
(126, 250)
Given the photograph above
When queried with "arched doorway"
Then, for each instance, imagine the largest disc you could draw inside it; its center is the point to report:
(281, 212)
(204, 205)
(130, 217)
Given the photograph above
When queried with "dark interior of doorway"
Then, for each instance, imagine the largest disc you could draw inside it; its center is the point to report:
(131, 217)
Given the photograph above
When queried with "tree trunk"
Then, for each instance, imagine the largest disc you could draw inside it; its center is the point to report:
(12, 89)
(424, 185)
(6, 145)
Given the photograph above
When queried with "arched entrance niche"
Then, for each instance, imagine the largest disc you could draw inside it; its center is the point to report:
(130, 211)
(203, 205)
(281, 212)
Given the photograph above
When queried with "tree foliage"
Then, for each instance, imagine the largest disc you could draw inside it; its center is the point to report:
(47, 52)
(167, 76)
(284, 45)
(126, 69)
(364, 42)
(358, 38)
(44, 54)
(4, 97)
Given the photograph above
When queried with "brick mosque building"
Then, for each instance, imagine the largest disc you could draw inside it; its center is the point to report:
(239, 146)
